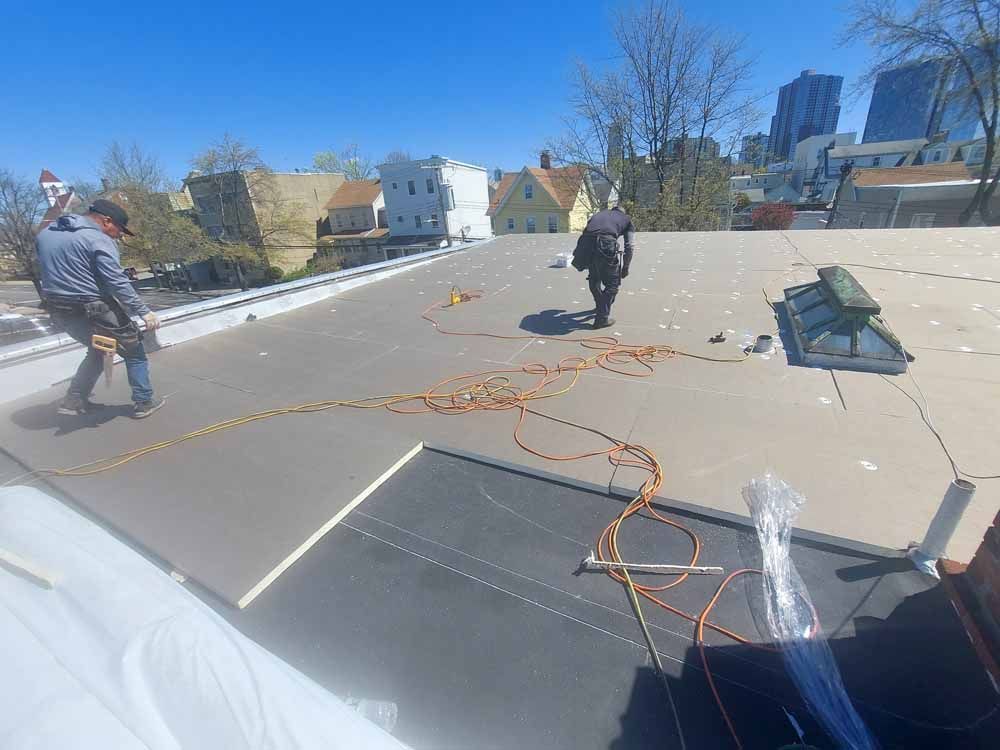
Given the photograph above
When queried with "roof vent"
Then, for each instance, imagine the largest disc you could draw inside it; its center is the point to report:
(836, 324)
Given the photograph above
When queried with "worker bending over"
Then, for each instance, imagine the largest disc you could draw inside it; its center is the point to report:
(597, 251)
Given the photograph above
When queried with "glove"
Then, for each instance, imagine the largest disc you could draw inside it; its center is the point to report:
(625, 272)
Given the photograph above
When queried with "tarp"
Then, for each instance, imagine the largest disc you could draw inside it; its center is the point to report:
(119, 655)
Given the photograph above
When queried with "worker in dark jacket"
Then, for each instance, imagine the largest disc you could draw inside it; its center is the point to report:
(607, 265)
(86, 291)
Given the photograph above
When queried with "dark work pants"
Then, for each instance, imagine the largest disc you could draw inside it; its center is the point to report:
(81, 322)
(605, 278)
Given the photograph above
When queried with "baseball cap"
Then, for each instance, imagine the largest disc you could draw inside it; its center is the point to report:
(113, 211)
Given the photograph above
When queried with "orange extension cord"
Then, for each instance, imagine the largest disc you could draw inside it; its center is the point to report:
(495, 390)
(499, 394)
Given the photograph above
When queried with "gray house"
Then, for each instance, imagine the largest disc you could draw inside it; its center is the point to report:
(932, 195)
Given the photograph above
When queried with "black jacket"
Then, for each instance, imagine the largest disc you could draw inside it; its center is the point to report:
(609, 223)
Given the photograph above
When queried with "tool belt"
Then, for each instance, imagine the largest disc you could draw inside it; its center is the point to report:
(592, 247)
(106, 316)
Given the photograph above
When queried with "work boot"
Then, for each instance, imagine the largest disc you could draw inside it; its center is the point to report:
(603, 323)
(75, 406)
(144, 408)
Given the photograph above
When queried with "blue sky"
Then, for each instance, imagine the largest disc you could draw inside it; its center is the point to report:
(481, 84)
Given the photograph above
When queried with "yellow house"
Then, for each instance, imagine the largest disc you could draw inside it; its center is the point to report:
(542, 200)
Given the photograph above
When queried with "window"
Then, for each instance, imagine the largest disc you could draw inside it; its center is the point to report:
(205, 205)
(430, 185)
(411, 187)
(529, 191)
(416, 221)
(922, 221)
(876, 161)
(510, 225)
(399, 219)
(434, 220)
(214, 232)
(529, 225)
(553, 224)
(394, 186)
(936, 156)
(977, 154)
(340, 222)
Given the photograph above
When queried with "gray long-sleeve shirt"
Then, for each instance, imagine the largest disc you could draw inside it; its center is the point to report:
(78, 261)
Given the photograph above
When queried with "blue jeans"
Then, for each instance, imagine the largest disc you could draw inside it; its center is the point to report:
(105, 320)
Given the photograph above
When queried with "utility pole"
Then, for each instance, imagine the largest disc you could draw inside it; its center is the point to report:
(845, 172)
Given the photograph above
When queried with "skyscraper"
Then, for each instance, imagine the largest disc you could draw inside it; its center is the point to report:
(809, 105)
(918, 101)
(754, 149)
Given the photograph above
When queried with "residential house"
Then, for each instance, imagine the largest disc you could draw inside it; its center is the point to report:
(821, 186)
(358, 224)
(808, 160)
(772, 187)
(939, 151)
(931, 195)
(279, 212)
(878, 154)
(433, 202)
(543, 199)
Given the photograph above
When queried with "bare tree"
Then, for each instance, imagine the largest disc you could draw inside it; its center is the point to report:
(351, 162)
(85, 190)
(257, 220)
(131, 168)
(397, 156)
(22, 206)
(960, 34)
(661, 50)
(633, 126)
(722, 100)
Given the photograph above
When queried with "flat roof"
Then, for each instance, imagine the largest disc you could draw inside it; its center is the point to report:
(456, 592)
(232, 508)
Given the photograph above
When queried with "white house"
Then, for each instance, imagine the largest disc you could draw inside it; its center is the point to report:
(875, 154)
(429, 201)
(808, 159)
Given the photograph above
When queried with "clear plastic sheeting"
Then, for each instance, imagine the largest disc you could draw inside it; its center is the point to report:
(116, 654)
(792, 621)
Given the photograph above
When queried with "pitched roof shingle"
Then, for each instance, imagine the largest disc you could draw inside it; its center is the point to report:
(948, 172)
(355, 193)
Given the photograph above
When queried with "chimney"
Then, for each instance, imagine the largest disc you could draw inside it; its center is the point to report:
(545, 162)
(105, 185)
